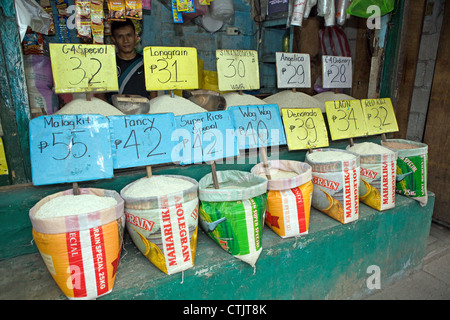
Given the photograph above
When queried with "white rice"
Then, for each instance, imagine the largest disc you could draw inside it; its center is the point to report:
(327, 156)
(294, 99)
(236, 99)
(366, 148)
(95, 106)
(176, 105)
(331, 96)
(74, 205)
(276, 174)
(156, 186)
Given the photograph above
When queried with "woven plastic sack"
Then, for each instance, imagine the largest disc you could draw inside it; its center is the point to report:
(412, 168)
(377, 175)
(288, 199)
(336, 186)
(233, 216)
(81, 252)
(164, 228)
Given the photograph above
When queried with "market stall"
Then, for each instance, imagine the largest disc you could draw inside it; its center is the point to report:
(223, 171)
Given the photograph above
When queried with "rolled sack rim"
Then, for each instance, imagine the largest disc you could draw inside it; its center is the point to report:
(77, 222)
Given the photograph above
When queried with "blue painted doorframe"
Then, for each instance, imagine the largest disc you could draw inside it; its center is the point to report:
(14, 104)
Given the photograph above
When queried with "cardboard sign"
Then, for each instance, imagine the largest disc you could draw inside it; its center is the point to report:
(170, 68)
(3, 163)
(141, 140)
(83, 67)
(258, 125)
(336, 72)
(237, 70)
(205, 136)
(380, 116)
(293, 70)
(346, 119)
(70, 148)
(305, 128)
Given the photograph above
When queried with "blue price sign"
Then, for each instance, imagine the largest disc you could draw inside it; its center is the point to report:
(205, 136)
(141, 140)
(258, 125)
(70, 148)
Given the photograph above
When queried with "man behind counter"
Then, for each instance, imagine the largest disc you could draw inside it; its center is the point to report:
(130, 64)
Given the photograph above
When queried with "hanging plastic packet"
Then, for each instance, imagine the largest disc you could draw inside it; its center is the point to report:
(45, 4)
(133, 9)
(33, 43)
(177, 17)
(297, 12)
(116, 9)
(61, 6)
(63, 31)
(308, 7)
(341, 15)
(182, 5)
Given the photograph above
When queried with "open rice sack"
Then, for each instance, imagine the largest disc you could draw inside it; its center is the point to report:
(335, 176)
(233, 216)
(162, 220)
(289, 193)
(412, 168)
(378, 172)
(80, 239)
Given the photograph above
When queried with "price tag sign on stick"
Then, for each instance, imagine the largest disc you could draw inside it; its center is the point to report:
(346, 119)
(237, 70)
(70, 148)
(142, 140)
(170, 68)
(305, 128)
(380, 116)
(206, 136)
(83, 67)
(293, 70)
(336, 72)
(258, 125)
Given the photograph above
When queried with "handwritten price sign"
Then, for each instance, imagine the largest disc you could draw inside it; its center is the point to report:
(170, 68)
(70, 148)
(141, 140)
(206, 136)
(293, 70)
(380, 116)
(258, 125)
(346, 119)
(83, 67)
(305, 128)
(336, 72)
(237, 70)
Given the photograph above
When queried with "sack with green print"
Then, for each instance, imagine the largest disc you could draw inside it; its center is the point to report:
(412, 168)
(233, 215)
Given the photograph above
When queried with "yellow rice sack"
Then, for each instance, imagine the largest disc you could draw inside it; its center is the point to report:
(81, 252)
(289, 193)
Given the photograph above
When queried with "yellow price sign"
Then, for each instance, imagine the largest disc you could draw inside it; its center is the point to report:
(237, 70)
(83, 67)
(170, 68)
(346, 119)
(380, 115)
(304, 128)
(3, 163)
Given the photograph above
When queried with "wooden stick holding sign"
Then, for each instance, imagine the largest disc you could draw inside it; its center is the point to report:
(214, 175)
(263, 151)
(76, 190)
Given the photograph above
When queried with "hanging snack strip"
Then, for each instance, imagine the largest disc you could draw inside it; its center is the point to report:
(133, 9)
(97, 21)
(83, 19)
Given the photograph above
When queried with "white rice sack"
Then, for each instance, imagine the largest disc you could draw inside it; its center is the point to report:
(74, 205)
(290, 99)
(331, 96)
(236, 99)
(176, 105)
(95, 106)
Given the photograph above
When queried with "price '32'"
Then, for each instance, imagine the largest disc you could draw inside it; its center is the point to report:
(81, 72)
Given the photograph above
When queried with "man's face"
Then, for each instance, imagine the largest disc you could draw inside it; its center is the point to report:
(125, 39)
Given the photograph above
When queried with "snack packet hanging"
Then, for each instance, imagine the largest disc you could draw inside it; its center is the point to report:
(116, 9)
(133, 9)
